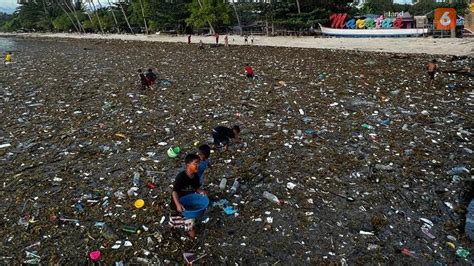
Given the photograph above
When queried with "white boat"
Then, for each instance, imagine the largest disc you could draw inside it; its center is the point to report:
(392, 32)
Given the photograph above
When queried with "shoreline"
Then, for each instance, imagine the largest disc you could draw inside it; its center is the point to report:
(430, 46)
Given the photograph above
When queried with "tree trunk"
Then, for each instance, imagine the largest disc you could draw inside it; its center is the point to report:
(67, 14)
(73, 11)
(50, 24)
(125, 16)
(97, 15)
(211, 28)
(266, 27)
(144, 19)
(238, 18)
(298, 5)
(113, 15)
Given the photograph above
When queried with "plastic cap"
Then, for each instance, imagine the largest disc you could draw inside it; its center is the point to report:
(95, 255)
(139, 203)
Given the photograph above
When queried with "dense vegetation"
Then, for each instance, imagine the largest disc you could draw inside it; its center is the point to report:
(185, 16)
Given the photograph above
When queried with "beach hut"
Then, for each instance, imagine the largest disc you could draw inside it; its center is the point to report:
(408, 20)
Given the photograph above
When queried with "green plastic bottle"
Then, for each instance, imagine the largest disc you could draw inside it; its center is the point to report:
(131, 229)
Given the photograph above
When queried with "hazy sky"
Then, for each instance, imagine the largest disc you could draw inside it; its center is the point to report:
(7, 3)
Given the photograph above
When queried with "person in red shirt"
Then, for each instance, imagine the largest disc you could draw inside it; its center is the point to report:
(248, 71)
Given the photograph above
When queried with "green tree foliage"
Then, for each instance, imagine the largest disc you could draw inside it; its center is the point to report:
(214, 12)
(378, 6)
(63, 23)
(178, 15)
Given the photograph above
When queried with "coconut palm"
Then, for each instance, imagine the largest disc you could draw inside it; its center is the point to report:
(125, 16)
(144, 19)
(91, 2)
(113, 14)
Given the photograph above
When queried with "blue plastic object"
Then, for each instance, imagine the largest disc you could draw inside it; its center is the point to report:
(194, 205)
(469, 227)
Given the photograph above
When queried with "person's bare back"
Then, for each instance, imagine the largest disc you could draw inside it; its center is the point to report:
(432, 67)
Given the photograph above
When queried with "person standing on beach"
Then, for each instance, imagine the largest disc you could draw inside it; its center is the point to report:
(246, 40)
(226, 41)
(217, 38)
(8, 58)
(189, 39)
(432, 68)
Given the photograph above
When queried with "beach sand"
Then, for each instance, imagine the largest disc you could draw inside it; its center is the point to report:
(432, 46)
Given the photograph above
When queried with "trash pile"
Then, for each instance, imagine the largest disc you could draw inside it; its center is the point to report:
(347, 156)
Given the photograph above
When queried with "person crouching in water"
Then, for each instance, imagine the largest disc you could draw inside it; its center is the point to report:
(186, 182)
(8, 58)
(143, 80)
(204, 152)
(248, 71)
(222, 135)
(150, 77)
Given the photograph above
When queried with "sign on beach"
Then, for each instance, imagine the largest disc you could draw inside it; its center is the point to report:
(445, 18)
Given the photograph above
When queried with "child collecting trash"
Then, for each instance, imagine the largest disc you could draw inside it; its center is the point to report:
(222, 135)
(186, 182)
(8, 58)
(143, 80)
(204, 151)
(432, 68)
(150, 77)
(248, 71)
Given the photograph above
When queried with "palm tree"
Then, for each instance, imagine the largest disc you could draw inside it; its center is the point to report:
(238, 17)
(67, 14)
(113, 15)
(144, 19)
(73, 11)
(208, 22)
(97, 15)
(125, 16)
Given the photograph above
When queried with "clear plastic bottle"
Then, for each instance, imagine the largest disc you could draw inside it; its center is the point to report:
(235, 186)
(271, 197)
(223, 183)
(108, 233)
(136, 179)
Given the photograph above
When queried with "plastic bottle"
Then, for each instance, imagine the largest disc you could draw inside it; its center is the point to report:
(131, 229)
(136, 179)
(367, 126)
(223, 183)
(462, 252)
(108, 233)
(469, 227)
(235, 186)
(271, 197)
(458, 170)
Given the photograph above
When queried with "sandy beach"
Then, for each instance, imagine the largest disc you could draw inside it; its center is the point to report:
(445, 46)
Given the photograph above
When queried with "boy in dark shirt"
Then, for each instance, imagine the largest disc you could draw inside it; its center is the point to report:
(143, 79)
(186, 182)
(222, 135)
(151, 77)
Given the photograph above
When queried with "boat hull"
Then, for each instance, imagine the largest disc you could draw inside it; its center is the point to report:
(373, 32)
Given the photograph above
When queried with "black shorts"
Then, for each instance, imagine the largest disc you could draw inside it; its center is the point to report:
(218, 139)
(431, 74)
(250, 76)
